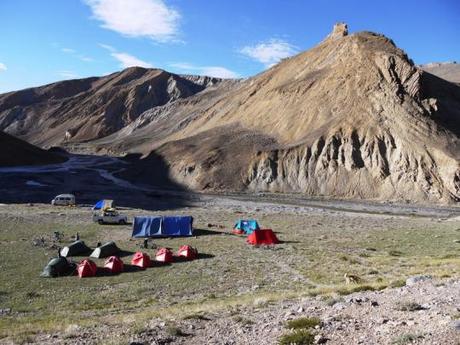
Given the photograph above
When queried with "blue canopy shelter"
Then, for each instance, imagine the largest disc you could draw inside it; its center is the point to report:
(177, 226)
(246, 226)
(146, 226)
(103, 204)
(162, 226)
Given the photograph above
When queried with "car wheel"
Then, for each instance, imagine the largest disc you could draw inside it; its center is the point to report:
(122, 221)
(100, 221)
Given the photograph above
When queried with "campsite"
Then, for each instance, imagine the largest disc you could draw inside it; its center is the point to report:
(232, 284)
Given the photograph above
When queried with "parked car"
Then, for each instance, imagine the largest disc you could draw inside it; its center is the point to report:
(64, 200)
(110, 216)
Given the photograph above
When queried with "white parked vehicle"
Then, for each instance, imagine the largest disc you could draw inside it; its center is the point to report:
(64, 200)
(110, 216)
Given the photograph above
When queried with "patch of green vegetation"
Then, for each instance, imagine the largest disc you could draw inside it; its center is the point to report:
(175, 331)
(406, 339)
(409, 306)
(331, 301)
(242, 320)
(299, 337)
(196, 316)
(397, 283)
(303, 323)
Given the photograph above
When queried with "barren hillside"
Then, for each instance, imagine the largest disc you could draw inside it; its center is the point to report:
(352, 117)
(86, 109)
(17, 152)
(449, 71)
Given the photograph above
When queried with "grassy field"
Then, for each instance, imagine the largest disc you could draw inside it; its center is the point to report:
(317, 250)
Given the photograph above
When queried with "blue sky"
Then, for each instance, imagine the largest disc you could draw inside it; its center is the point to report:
(49, 40)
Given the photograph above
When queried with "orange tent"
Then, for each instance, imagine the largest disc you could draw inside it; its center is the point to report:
(262, 237)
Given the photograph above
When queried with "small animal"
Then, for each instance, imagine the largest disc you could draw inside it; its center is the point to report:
(351, 279)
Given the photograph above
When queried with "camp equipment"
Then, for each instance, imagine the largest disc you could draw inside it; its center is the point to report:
(141, 260)
(86, 268)
(57, 267)
(262, 237)
(149, 226)
(108, 249)
(75, 248)
(164, 255)
(187, 252)
(245, 227)
(103, 205)
(114, 264)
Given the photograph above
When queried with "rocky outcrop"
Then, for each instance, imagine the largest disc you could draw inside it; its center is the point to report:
(355, 166)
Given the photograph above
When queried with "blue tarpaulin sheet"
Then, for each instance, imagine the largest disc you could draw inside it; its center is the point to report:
(146, 226)
(162, 226)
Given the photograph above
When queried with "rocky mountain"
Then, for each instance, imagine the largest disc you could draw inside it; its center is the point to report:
(90, 108)
(16, 152)
(449, 71)
(352, 117)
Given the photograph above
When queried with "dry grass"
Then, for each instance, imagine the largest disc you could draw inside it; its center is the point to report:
(309, 263)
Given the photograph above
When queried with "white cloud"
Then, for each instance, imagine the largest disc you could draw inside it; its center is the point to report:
(269, 52)
(85, 58)
(127, 60)
(137, 18)
(68, 74)
(2, 67)
(211, 71)
(68, 50)
(106, 46)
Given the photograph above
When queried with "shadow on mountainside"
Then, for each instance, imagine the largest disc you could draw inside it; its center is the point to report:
(95, 178)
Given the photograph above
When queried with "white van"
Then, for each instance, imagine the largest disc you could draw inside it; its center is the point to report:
(64, 200)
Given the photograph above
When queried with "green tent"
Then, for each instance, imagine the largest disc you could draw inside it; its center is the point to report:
(106, 250)
(75, 248)
(57, 267)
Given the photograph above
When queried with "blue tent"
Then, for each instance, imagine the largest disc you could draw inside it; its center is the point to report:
(146, 226)
(248, 226)
(162, 226)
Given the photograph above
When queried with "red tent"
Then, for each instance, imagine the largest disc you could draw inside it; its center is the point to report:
(114, 264)
(188, 252)
(164, 255)
(86, 268)
(262, 237)
(141, 260)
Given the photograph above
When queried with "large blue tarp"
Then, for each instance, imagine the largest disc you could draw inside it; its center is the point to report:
(248, 226)
(162, 226)
(146, 226)
(177, 226)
